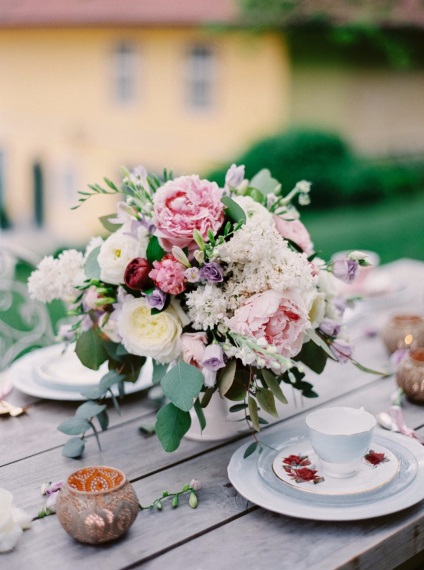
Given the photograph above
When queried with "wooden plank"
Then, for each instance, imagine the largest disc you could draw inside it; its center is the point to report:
(149, 540)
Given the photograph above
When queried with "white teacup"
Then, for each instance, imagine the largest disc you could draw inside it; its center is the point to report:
(340, 437)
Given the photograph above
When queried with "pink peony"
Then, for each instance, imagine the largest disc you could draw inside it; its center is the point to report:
(168, 275)
(295, 231)
(183, 205)
(194, 348)
(281, 318)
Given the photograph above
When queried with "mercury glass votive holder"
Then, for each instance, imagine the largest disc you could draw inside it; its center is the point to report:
(410, 375)
(403, 331)
(97, 504)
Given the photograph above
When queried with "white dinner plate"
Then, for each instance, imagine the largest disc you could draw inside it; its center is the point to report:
(405, 491)
(25, 378)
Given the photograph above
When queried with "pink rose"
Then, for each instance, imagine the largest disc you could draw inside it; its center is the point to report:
(295, 231)
(193, 345)
(281, 318)
(183, 205)
(168, 275)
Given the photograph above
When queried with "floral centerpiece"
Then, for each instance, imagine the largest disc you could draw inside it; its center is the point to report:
(220, 287)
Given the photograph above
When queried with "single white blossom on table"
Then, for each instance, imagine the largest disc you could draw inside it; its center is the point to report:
(12, 521)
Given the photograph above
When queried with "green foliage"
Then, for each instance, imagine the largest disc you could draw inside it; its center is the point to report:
(233, 210)
(90, 350)
(338, 176)
(171, 426)
(182, 384)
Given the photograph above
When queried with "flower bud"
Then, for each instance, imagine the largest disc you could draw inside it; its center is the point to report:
(193, 500)
(175, 502)
(136, 275)
(194, 484)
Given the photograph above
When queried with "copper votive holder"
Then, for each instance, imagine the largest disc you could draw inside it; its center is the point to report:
(410, 375)
(97, 504)
(403, 331)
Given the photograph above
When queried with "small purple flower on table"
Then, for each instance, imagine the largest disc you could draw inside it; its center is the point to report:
(212, 272)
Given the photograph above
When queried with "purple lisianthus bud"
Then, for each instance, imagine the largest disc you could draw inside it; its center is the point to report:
(213, 359)
(157, 299)
(234, 176)
(136, 275)
(330, 327)
(345, 269)
(339, 303)
(341, 349)
(212, 272)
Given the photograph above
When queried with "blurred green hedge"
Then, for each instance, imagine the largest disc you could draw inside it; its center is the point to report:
(337, 174)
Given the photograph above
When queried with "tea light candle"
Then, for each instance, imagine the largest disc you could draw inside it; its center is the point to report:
(403, 331)
(410, 375)
(97, 504)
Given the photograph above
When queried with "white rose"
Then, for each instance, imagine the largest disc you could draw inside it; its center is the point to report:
(252, 208)
(144, 334)
(317, 310)
(12, 521)
(118, 250)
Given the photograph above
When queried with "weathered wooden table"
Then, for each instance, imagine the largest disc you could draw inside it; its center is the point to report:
(225, 531)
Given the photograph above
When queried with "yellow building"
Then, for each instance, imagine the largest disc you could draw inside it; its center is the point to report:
(87, 87)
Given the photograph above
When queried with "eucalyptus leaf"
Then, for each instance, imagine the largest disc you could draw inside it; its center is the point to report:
(320, 342)
(238, 408)
(206, 398)
(182, 384)
(171, 425)
(103, 419)
(266, 400)
(159, 371)
(226, 377)
(253, 411)
(109, 379)
(92, 393)
(92, 267)
(313, 356)
(200, 415)
(89, 409)
(272, 383)
(74, 426)
(250, 449)
(264, 182)
(73, 448)
(233, 210)
(90, 350)
(109, 226)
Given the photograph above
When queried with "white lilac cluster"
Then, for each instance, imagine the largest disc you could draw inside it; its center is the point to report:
(258, 258)
(58, 278)
(207, 307)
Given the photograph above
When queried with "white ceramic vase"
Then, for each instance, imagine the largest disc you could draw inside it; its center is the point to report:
(220, 423)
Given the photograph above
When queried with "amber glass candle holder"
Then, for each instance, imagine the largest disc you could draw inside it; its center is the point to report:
(410, 375)
(403, 331)
(97, 504)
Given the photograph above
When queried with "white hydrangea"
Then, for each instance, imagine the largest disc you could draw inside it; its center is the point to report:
(57, 278)
(207, 306)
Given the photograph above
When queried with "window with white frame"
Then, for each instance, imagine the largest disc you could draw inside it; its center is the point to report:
(201, 71)
(125, 72)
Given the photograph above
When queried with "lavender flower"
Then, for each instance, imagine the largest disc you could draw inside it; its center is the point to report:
(212, 272)
(345, 269)
(52, 492)
(213, 358)
(341, 349)
(330, 327)
(157, 299)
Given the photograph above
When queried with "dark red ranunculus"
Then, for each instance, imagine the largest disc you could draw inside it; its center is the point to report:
(136, 275)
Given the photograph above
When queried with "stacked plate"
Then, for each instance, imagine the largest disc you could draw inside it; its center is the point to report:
(287, 478)
(55, 372)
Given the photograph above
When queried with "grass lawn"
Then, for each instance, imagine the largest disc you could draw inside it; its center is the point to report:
(393, 229)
